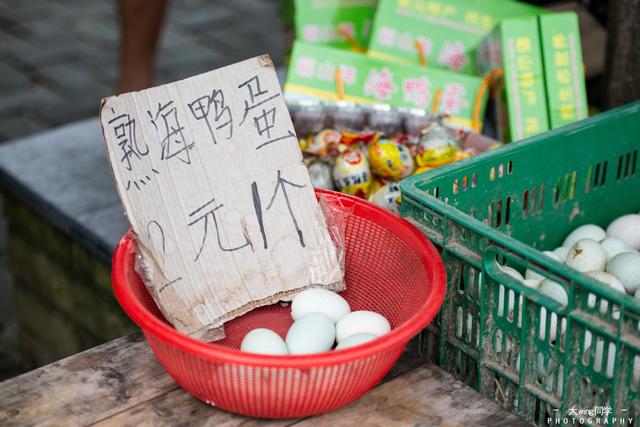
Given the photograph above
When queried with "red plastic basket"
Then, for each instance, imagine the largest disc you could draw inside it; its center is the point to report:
(391, 268)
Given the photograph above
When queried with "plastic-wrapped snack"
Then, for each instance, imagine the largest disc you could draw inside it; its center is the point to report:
(320, 174)
(351, 173)
(320, 143)
(415, 120)
(385, 119)
(308, 116)
(387, 196)
(390, 160)
(436, 146)
(348, 115)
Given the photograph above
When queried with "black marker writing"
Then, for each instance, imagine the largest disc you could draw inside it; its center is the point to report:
(173, 142)
(201, 107)
(201, 214)
(281, 185)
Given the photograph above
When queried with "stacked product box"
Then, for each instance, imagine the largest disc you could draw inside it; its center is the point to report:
(444, 33)
(537, 73)
(513, 52)
(563, 69)
(367, 80)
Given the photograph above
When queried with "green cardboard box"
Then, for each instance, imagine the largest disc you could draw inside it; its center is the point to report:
(513, 49)
(320, 21)
(368, 80)
(447, 31)
(563, 69)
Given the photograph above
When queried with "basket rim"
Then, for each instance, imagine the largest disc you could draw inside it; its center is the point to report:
(413, 193)
(400, 335)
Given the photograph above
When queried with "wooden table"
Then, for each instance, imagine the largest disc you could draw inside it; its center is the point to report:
(120, 383)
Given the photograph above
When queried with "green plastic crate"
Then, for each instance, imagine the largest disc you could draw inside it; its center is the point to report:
(507, 205)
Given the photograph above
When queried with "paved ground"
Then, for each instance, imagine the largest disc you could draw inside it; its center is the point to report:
(59, 57)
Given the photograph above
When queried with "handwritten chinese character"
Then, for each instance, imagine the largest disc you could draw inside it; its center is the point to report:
(205, 213)
(281, 187)
(124, 129)
(379, 84)
(257, 96)
(201, 107)
(173, 142)
(264, 121)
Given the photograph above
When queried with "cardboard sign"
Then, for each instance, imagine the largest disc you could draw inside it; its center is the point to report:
(369, 80)
(514, 48)
(447, 32)
(563, 72)
(345, 24)
(211, 177)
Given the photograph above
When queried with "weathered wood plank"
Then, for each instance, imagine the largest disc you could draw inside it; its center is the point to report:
(86, 387)
(121, 384)
(426, 396)
(177, 407)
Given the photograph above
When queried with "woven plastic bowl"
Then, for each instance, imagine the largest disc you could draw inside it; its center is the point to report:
(391, 268)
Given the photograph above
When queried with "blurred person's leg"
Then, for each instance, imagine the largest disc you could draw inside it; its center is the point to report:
(140, 25)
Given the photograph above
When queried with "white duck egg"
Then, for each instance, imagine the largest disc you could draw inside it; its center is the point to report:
(530, 274)
(554, 290)
(511, 272)
(263, 341)
(354, 340)
(532, 283)
(313, 333)
(613, 283)
(627, 229)
(613, 247)
(587, 255)
(319, 300)
(561, 252)
(358, 322)
(626, 267)
(587, 231)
